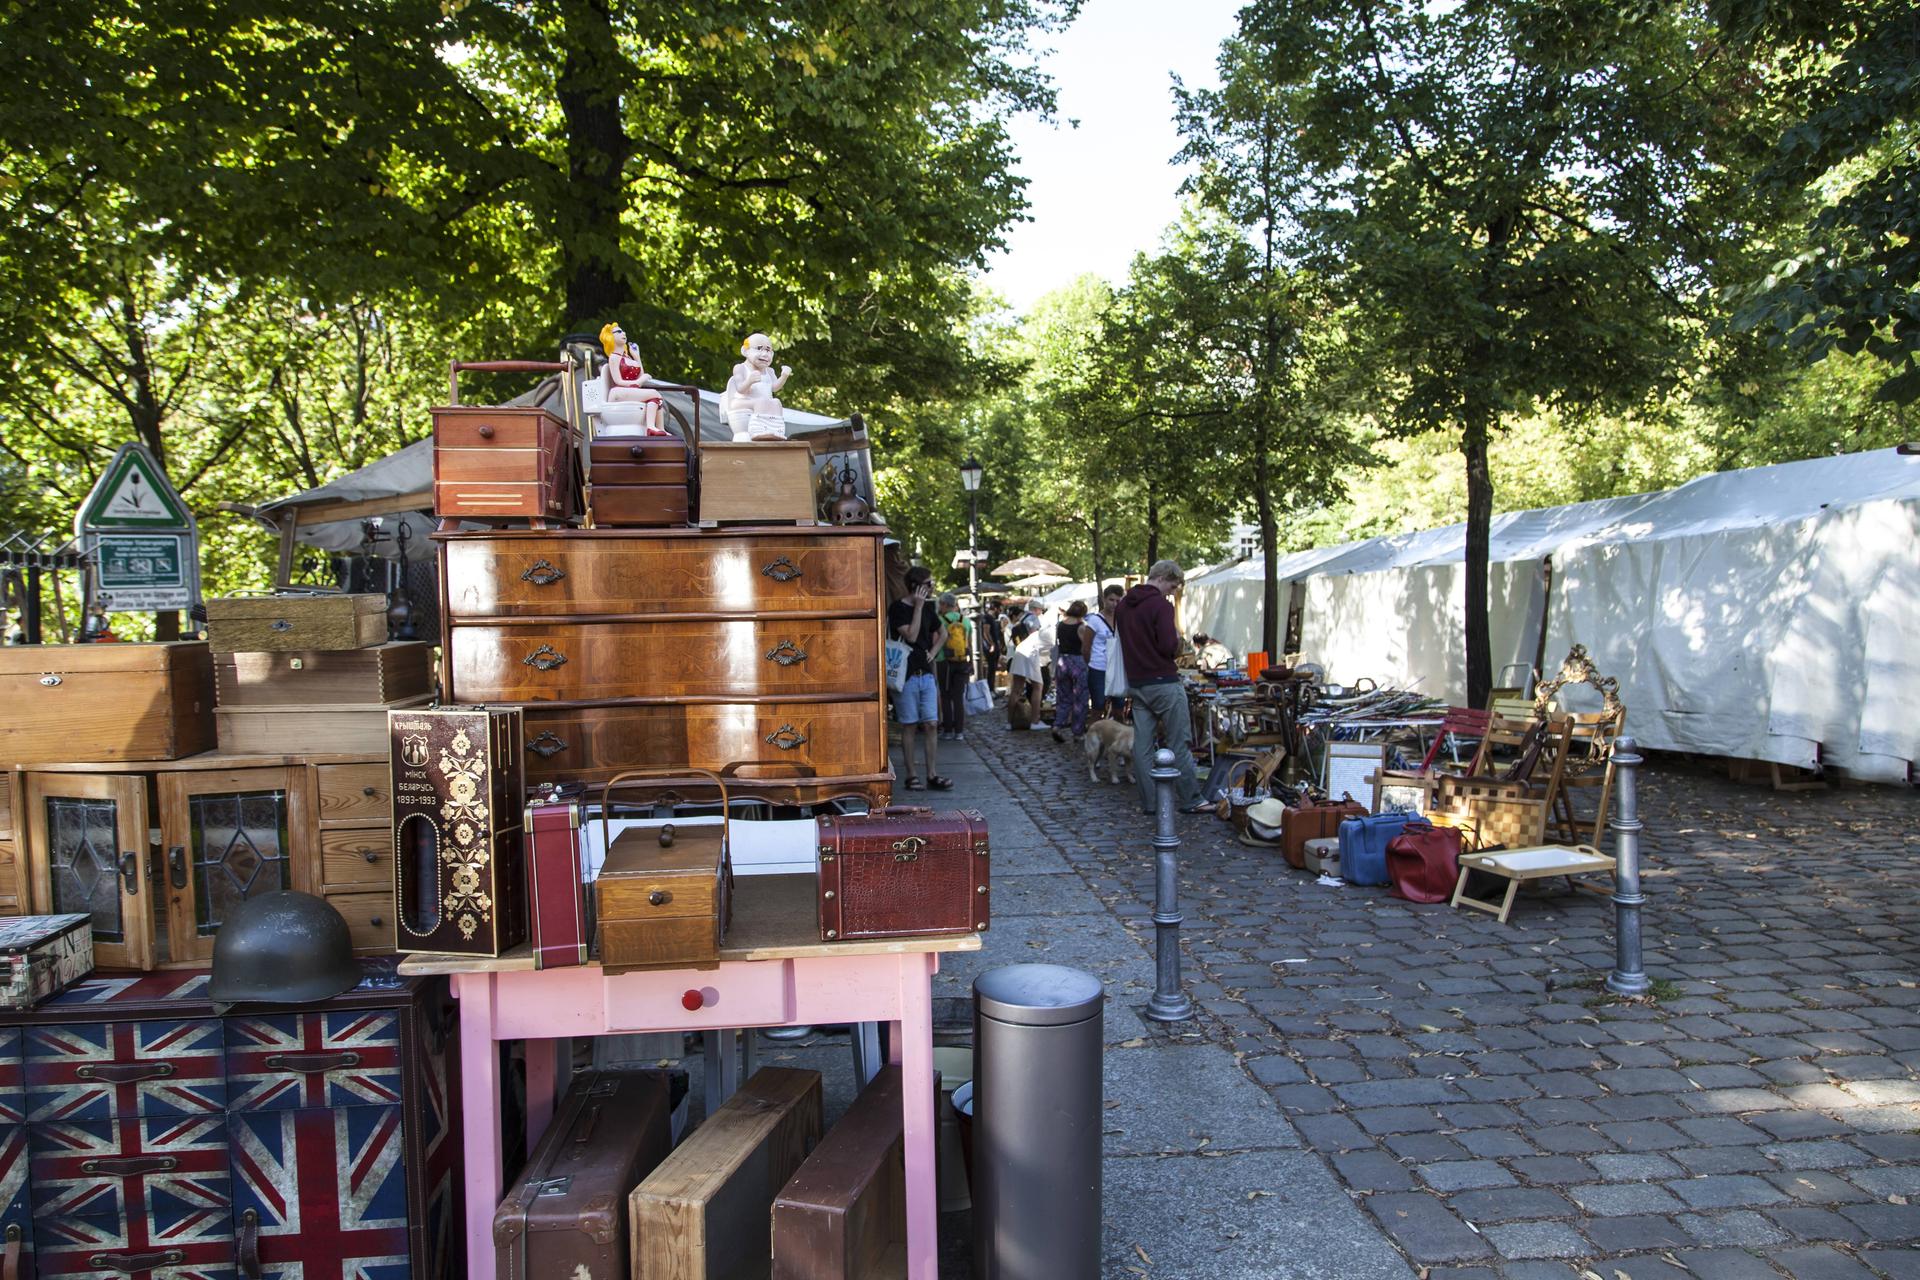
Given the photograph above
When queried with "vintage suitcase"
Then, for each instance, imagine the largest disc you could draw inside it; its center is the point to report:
(768, 482)
(291, 623)
(558, 919)
(459, 863)
(341, 728)
(1322, 855)
(41, 956)
(394, 672)
(1309, 820)
(664, 896)
(105, 702)
(706, 1212)
(902, 871)
(640, 482)
(504, 463)
(843, 1214)
(567, 1214)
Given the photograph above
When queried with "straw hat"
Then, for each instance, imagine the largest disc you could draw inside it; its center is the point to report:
(1264, 818)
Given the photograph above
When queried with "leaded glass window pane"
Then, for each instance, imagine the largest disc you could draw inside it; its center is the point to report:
(239, 850)
(83, 855)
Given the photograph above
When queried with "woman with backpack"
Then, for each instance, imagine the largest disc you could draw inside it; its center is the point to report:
(955, 670)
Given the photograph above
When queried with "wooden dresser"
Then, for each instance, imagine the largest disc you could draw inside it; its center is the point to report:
(656, 648)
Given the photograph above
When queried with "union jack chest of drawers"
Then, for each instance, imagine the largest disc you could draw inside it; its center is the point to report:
(145, 1135)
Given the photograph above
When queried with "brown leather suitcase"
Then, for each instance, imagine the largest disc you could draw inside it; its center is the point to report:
(903, 871)
(1312, 821)
(567, 1214)
(843, 1214)
(641, 482)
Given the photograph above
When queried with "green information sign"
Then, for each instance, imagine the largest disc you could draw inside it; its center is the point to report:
(144, 570)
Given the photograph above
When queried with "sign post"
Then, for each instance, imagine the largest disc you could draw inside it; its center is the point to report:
(139, 538)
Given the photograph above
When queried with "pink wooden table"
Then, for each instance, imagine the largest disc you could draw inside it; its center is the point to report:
(774, 971)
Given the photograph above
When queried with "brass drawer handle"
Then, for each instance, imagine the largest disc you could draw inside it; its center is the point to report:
(547, 745)
(786, 653)
(543, 573)
(545, 658)
(782, 570)
(786, 737)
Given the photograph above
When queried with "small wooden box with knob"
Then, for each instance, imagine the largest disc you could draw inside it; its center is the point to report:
(505, 462)
(641, 482)
(664, 896)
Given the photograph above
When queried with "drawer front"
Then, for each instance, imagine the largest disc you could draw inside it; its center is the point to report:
(354, 792)
(796, 739)
(196, 1246)
(495, 500)
(641, 898)
(369, 918)
(746, 995)
(670, 942)
(158, 1167)
(101, 1071)
(739, 659)
(540, 576)
(326, 1190)
(356, 857)
(483, 428)
(13, 1089)
(640, 505)
(288, 1061)
(635, 450)
(16, 1184)
(614, 474)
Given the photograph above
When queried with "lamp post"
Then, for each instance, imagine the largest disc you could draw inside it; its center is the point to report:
(970, 473)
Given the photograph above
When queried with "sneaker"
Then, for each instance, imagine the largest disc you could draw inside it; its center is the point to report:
(959, 737)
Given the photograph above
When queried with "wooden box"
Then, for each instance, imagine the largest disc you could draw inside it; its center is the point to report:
(318, 729)
(843, 1214)
(664, 899)
(494, 463)
(105, 702)
(770, 482)
(706, 1212)
(459, 871)
(294, 623)
(393, 672)
(640, 482)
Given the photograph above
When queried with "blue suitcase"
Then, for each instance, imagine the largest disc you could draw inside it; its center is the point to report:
(1363, 846)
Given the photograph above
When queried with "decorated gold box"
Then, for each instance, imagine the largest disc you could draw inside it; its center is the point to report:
(459, 869)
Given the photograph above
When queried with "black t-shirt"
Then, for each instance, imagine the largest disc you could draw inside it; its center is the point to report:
(1071, 640)
(900, 614)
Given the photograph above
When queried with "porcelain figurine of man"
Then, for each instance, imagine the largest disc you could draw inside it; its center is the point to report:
(750, 405)
(626, 379)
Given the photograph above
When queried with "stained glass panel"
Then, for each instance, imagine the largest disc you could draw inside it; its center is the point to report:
(239, 850)
(83, 856)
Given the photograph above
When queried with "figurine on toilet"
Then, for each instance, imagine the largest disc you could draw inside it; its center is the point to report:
(628, 401)
(749, 403)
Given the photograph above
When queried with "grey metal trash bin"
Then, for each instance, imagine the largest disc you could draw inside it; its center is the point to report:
(1037, 1031)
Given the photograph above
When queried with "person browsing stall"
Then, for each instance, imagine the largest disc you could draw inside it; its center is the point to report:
(1070, 685)
(915, 621)
(1100, 641)
(1150, 646)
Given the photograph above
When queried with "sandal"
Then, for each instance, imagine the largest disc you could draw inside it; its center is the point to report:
(912, 783)
(937, 783)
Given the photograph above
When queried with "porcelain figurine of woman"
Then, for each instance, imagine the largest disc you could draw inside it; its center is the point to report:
(626, 380)
(749, 402)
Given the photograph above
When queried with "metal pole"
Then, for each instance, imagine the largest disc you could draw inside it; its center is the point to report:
(1169, 1003)
(973, 576)
(1627, 978)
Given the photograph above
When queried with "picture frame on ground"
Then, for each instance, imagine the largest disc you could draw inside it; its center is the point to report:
(1350, 769)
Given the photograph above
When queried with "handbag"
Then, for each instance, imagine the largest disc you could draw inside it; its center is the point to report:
(1424, 862)
(897, 654)
(1116, 686)
(979, 697)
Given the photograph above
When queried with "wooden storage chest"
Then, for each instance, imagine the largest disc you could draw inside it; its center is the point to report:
(641, 481)
(293, 623)
(664, 898)
(758, 483)
(392, 672)
(494, 463)
(322, 727)
(107, 702)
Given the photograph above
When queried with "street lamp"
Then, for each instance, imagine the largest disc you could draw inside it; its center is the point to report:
(970, 473)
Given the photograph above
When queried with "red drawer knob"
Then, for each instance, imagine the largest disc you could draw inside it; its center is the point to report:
(692, 1001)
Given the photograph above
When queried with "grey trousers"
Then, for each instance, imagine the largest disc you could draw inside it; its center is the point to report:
(1163, 707)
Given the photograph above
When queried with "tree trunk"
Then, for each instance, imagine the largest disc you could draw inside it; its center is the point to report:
(1271, 618)
(1098, 567)
(1153, 524)
(588, 219)
(1479, 528)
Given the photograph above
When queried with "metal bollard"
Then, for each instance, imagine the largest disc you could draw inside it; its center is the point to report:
(1037, 1116)
(1169, 1003)
(1628, 977)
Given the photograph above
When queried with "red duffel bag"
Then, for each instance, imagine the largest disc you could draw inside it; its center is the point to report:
(1423, 862)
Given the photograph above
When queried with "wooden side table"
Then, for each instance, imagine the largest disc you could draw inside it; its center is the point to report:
(1516, 865)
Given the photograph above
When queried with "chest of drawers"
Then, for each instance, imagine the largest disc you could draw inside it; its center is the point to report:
(645, 648)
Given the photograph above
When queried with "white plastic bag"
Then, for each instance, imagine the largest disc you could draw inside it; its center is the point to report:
(979, 697)
(897, 654)
(1116, 670)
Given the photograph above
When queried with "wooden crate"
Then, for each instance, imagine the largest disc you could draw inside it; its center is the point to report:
(295, 623)
(770, 482)
(105, 702)
(316, 729)
(706, 1212)
(391, 672)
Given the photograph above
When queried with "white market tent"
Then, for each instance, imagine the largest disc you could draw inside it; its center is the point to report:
(1761, 614)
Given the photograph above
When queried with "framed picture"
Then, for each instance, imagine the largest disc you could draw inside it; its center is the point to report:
(1348, 768)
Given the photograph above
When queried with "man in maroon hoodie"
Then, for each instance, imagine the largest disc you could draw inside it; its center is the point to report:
(1149, 645)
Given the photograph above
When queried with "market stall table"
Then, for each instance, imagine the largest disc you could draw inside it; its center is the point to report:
(774, 971)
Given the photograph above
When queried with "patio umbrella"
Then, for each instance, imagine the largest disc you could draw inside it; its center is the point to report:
(1034, 565)
(1038, 580)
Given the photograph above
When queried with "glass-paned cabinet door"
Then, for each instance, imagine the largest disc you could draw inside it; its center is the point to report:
(87, 848)
(229, 836)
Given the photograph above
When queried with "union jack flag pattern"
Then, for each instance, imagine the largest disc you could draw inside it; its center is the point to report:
(329, 1189)
(16, 1206)
(331, 1059)
(13, 1087)
(170, 1169)
(113, 1070)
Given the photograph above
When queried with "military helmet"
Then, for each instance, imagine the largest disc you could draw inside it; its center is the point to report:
(283, 947)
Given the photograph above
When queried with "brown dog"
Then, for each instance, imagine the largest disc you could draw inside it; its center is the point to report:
(1114, 740)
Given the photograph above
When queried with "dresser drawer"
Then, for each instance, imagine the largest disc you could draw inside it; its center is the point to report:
(369, 918)
(118, 1169)
(607, 573)
(354, 792)
(101, 1071)
(582, 662)
(357, 858)
(807, 739)
(286, 1061)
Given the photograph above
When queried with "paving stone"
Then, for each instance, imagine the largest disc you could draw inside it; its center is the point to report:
(1900, 1264)
(1725, 1264)
(1396, 1093)
(1422, 1148)
(1398, 1119)
(1534, 1270)
(1617, 1199)
(1372, 1171)
(1635, 1233)
(1816, 1186)
(1509, 1204)
(1723, 1159)
(1722, 1131)
(1426, 1229)
(1788, 1126)
(1646, 1135)
(1740, 1227)
(1332, 1133)
(1275, 1069)
(1464, 1175)
(1494, 1142)
(1883, 1182)
(1636, 1168)
(1820, 1263)
(1570, 1139)
(1552, 1171)
(1808, 1222)
(1815, 1155)
(1537, 1240)
(1726, 1191)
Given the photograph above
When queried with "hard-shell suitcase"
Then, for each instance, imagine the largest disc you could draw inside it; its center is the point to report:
(902, 871)
(567, 1215)
(1363, 846)
(843, 1214)
(558, 912)
(1309, 820)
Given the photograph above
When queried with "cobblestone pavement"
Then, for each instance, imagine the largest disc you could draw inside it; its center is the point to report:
(1473, 1086)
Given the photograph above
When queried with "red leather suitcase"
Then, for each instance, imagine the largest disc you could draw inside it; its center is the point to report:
(1311, 821)
(558, 912)
(903, 871)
